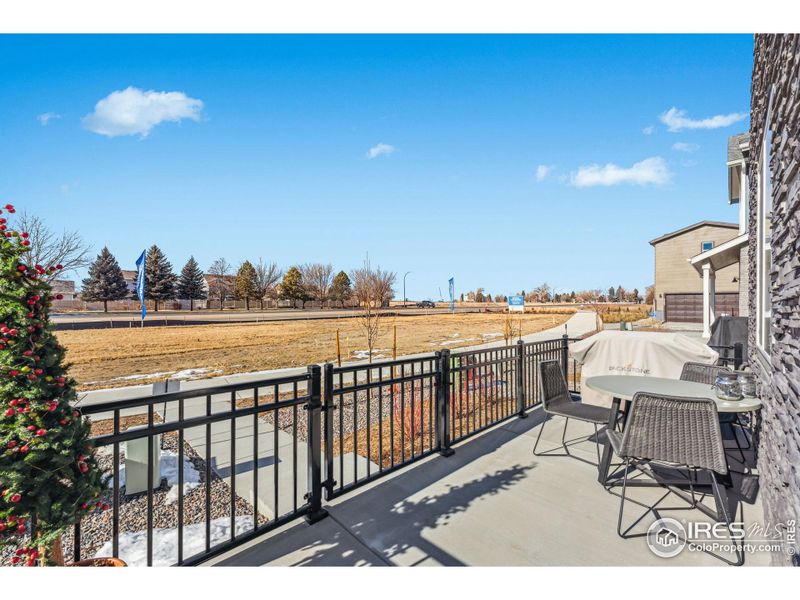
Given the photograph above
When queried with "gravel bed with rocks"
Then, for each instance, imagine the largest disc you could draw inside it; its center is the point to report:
(349, 421)
(96, 525)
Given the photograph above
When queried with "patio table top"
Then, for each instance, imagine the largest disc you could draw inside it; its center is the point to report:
(625, 386)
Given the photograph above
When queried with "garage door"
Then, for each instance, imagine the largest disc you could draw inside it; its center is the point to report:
(688, 308)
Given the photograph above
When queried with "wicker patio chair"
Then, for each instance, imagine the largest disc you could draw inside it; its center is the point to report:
(703, 373)
(679, 433)
(557, 401)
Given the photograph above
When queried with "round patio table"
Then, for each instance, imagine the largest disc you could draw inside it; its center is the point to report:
(624, 387)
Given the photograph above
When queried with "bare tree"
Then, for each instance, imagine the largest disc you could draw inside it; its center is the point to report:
(372, 288)
(219, 281)
(317, 279)
(267, 277)
(50, 248)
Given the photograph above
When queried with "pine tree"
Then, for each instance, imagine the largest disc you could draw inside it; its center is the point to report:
(49, 475)
(342, 287)
(159, 280)
(191, 283)
(105, 281)
(246, 285)
(292, 285)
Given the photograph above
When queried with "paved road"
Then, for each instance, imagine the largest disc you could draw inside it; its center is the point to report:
(93, 320)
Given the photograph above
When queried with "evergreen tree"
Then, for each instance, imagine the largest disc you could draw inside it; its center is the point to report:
(342, 287)
(246, 284)
(292, 285)
(49, 475)
(159, 280)
(191, 283)
(105, 281)
(611, 294)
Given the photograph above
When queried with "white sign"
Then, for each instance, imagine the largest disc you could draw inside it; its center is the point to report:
(516, 303)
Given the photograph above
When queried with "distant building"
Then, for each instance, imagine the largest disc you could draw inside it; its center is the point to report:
(65, 287)
(130, 279)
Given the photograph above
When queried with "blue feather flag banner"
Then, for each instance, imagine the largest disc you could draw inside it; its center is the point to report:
(140, 262)
(451, 285)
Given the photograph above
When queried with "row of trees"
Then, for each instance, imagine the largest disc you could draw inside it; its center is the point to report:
(249, 282)
(544, 293)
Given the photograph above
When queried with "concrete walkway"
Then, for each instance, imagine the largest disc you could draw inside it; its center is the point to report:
(492, 503)
(263, 456)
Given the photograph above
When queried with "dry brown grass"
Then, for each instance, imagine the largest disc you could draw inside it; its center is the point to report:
(99, 357)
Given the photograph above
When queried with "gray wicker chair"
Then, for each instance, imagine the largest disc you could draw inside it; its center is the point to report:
(558, 401)
(703, 373)
(679, 433)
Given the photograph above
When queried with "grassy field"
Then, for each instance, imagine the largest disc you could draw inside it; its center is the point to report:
(102, 358)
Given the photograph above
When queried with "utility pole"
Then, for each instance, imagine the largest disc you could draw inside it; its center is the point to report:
(404, 288)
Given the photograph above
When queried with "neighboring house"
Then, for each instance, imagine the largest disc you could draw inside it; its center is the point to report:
(773, 182)
(212, 288)
(65, 287)
(714, 264)
(130, 279)
(678, 287)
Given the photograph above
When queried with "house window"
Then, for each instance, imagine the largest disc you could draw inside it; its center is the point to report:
(706, 246)
(764, 239)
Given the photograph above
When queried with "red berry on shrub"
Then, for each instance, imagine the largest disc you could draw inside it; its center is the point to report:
(16, 498)
(41, 432)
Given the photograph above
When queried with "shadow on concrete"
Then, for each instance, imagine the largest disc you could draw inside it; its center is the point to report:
(386, 523)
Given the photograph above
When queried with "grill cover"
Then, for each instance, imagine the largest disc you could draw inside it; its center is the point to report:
(636, 353)
(726, 331)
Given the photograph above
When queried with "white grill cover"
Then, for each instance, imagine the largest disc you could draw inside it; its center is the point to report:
(636, 353)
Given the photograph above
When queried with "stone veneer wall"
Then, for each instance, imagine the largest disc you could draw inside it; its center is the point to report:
(777, 63)
(744, 282)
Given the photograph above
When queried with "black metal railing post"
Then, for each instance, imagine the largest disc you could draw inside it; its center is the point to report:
(520, 379)
(738, 355)
(565, 356)
(327, 409)
(443, 404)
(314, 407)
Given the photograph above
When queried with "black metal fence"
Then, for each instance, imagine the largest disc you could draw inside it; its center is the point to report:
(198, 472)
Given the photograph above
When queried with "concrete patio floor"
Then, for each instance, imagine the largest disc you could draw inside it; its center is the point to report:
(492, 503)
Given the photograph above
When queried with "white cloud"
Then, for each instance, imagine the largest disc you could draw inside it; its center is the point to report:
(542, 171)
(649, 171)
(380, 149)
(45, 118)
(649, 130)
(685, 147)
(676, 120)
(133, 111)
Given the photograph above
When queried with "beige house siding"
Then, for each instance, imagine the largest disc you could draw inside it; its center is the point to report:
(674, 274)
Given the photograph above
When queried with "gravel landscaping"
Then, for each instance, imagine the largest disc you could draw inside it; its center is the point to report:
(96, 526)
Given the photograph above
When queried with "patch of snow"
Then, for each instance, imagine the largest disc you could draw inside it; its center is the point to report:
(133, 545)
(169, 470)
(364, 354)
(491, 335)
(189, 373)
(142, 376)
(456, 341)
(183, 374)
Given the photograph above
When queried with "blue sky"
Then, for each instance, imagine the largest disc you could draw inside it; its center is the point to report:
(503, 161)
